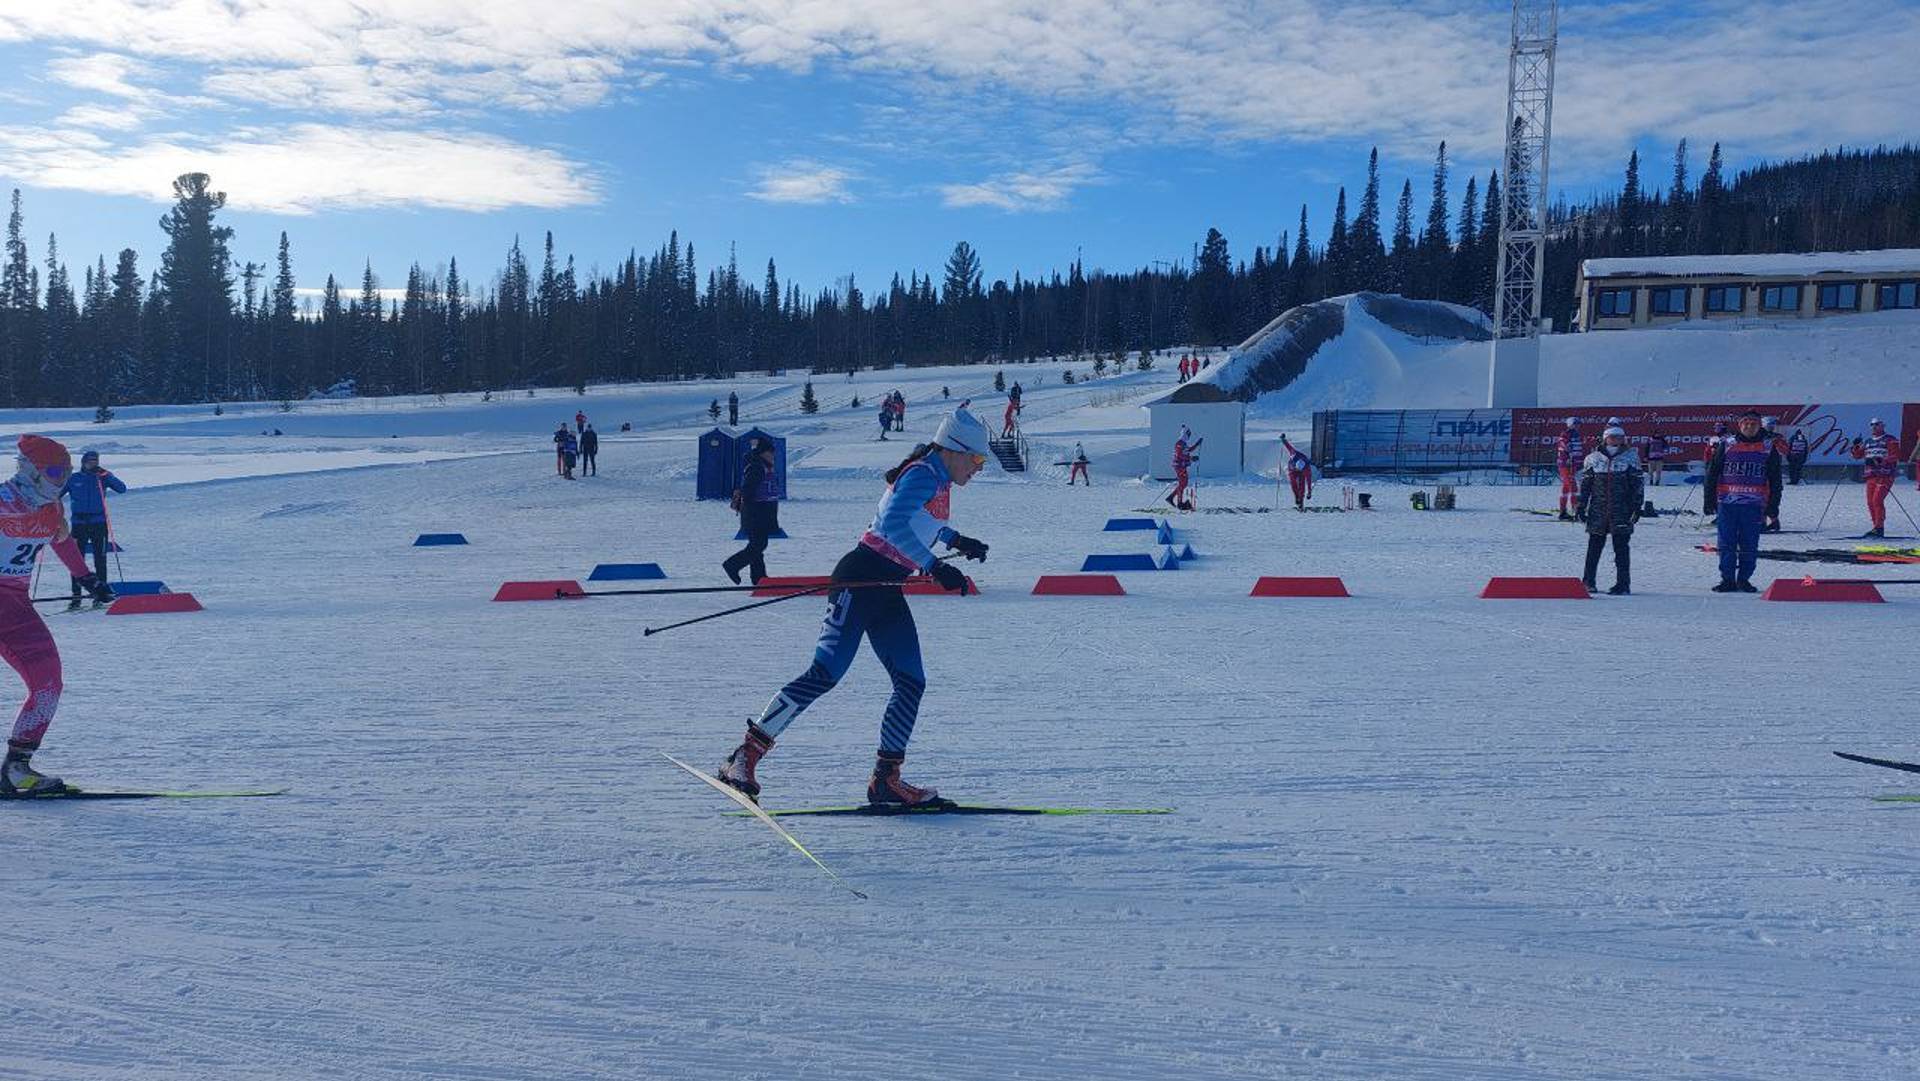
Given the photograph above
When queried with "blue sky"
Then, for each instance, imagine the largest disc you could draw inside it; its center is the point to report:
(862, 136)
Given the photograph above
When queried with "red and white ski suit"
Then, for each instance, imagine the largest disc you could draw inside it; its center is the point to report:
(1299, 473)
(1183, 459)
(1568, 456)
(26, 528)
(1882, 456)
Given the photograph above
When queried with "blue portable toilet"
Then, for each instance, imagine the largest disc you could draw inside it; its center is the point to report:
(718, 467)
(743, 445)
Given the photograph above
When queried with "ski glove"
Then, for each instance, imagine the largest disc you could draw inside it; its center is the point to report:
(950, 578)
(967, 546)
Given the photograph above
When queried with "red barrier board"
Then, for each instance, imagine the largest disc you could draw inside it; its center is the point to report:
(1271, 586)
(1078, 585)
(551, 590)
(1534, 589)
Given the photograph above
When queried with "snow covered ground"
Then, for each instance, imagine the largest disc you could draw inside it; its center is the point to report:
(1417, 834)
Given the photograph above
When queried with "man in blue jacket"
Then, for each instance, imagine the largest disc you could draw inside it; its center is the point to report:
(87, 491)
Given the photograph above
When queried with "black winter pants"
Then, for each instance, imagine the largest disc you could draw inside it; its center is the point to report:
(91, 535)
(1622, 557)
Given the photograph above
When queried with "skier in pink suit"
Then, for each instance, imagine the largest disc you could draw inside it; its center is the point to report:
(31, 519)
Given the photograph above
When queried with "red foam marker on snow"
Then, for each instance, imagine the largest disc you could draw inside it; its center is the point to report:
(551, 590)
(145, 603)
(1271, 586)
(1812, 589)
(1534, 589)
(1078, 585)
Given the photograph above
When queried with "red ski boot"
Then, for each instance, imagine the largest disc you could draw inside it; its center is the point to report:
(737, 771)
(887, 789)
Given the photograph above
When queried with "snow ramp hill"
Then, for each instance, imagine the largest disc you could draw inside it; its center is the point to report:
(1355, 351)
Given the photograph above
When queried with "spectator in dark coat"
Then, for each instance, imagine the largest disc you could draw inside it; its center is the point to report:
(733, 409)
(589, 451)
(759, 509)
(1611, 491)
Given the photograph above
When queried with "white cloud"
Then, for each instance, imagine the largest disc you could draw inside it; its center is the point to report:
(102, 116)
(1021, 191)
(803, 182)
(103, 73)
(308, 167)
(1404, 74)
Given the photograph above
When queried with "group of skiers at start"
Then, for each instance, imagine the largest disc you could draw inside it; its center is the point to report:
(579, 445)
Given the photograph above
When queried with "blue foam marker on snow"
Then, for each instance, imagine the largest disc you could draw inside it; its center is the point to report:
(1121, 525)
(1164, 535)
(1128, 561)
(132, 589)
(778, 534)
(626, 572)
(1166, 559)
(1184, 551)
(430, 540)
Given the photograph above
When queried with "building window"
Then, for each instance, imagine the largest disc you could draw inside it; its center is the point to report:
(1667, 301)
(1840, 297)
(1899, 295)
(1780, 298)
(1726, 298)
(1614, 303)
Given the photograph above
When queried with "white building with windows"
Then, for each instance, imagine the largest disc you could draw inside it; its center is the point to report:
(1623, 294)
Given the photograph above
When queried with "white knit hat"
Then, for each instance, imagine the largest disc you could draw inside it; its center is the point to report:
(962, 432)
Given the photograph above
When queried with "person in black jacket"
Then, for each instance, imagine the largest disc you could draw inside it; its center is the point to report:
(589, 451)
(759, 511)
(1611, 490)
(733, 409)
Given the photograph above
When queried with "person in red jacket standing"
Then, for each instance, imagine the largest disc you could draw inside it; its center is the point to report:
(1568, 454)
(1880, 450)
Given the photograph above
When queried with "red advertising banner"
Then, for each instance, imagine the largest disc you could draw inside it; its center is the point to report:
(1830, 429)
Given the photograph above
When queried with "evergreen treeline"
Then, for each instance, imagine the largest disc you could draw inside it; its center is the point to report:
(202, 327)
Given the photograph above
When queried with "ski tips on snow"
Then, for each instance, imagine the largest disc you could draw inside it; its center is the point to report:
(73, 793)
(948, 807)
(751, 808)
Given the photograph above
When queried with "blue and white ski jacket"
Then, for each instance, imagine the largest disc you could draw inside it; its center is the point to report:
(913, 516)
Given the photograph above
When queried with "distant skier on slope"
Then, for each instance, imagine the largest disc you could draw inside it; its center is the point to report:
(1183, 458)
(1567, 456)
(560, 437)
(1880, 450)
(1079, 463)
(1010, 419)
(1299, 474)
(31, 519)
(569, 450)
(912, 517)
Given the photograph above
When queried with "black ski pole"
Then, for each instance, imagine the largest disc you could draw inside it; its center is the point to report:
(55, 600)
(651, 631)
(563, 594)
(1823, 513)
(1903, 510)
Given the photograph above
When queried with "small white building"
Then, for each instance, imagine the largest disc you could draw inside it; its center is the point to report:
(1213, 416)
(1621, 294)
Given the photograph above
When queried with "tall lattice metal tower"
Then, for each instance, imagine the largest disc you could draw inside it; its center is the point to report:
(1514, 374)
